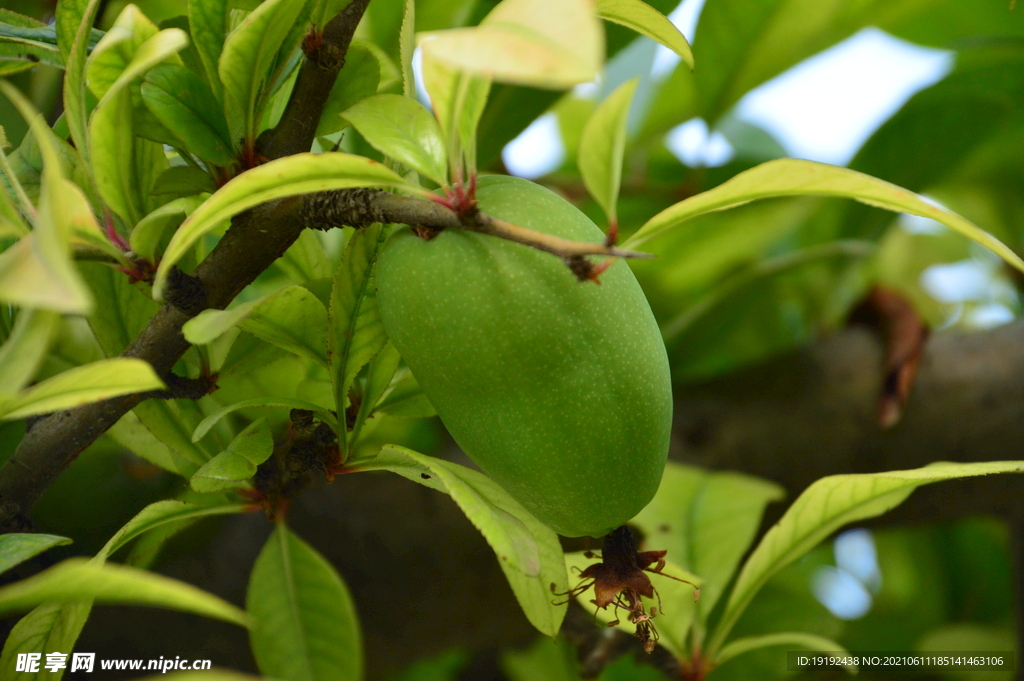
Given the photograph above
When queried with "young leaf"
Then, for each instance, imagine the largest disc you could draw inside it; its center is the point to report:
(406, 46)
(291, 318)
(207, 21)
(289, 176)
(25, 349)
(795, 177)
(112, 141)
(706, 521)
(184, 103)
(358, 79)
(50, 627)
(133, 435)
(117, 48)
(824, 507)
(210, 421)
(158, 514)
(305, 626)
(458, 99)
(77, 578)
(355, 331)
(25, 43)
(378, 378)
(528, 551)
(602, 147)
(237, 463)
(406, 400)
(164, 420)
(399, 127)
(675, 608)
(17, 547)
(529, 42)
(647, 21)
(76, 112)
(797, 639)
(37, 271)
(81, 385)
(147, 234)
(246, 59)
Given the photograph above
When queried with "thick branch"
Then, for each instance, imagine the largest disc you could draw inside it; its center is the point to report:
(255, 240)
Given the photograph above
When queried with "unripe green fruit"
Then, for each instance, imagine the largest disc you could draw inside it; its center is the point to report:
(558, 390)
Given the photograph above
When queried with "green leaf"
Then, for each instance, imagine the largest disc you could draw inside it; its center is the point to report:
(117, 49)
(161, 513)
(767, 308)
(824, 507)
(77, 578)
(799, 639)
(210, 421)
(458, 99)
(246, 60)
(378, 378)
(165, 421)
(528, 551)
(406, 399)
(146, 236)
(184, 103)
(289, 176)
(406, 46)
(305, 626)
(326, 10)
(292, 318)
(133, 435)
(358, 79)
(75, 109)
(17, 547)
(706, 521)
(545, 659)
(24, 45)
(647, 21)
(207, 21)
(794, 177)
(25, 349)
(112, 141)
(355, 331)
(673, 620)
(68, 19)
(37, 271)
(81, 385)
(602, 147)
(529, 42)
(237, 463)
(399, 127)
(50, 627)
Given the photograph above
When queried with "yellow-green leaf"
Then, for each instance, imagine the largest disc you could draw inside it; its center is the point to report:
(647, 21)
(551, 45)
(794, 177)
(602, 147)
(289, 176)
(81, 385)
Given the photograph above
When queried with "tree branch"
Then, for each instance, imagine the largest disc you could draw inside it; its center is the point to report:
(254, 241)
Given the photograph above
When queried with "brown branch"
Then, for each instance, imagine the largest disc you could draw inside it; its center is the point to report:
(255, 240)
(355, 208)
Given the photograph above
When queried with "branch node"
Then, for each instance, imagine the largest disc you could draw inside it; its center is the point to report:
(185, 292)
(342, 208)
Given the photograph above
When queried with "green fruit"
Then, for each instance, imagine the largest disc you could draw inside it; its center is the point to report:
(558, 390)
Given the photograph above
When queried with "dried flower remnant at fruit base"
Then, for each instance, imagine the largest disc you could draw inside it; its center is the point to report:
(619, 580)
